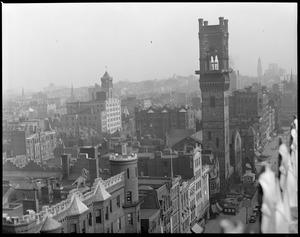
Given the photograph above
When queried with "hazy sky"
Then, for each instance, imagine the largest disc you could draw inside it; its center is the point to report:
(74, 43)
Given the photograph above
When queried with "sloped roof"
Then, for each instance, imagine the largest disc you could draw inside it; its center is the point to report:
(148, 213)
(101, 194)
(106, 75)
(31, 185)
(34, 174)
(177, 135)
(197, 136)
(77, 207)
(50, 224)
(145, 187)
(116, 133)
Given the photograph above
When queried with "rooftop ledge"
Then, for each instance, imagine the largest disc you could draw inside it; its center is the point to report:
(118, 157)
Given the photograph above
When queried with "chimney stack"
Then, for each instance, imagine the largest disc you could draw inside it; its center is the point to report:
(65, 158)
(47, 192)
(221, 20)
(31, 204)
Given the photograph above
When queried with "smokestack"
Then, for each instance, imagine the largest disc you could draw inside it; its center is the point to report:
(221, 21)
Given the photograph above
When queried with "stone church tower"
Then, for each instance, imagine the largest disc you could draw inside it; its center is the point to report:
(214, 84)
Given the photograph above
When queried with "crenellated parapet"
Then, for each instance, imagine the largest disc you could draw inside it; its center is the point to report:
(65, 204)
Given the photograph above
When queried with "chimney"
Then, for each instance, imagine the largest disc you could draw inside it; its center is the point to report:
(65, 158)
(221, 20)
(226, 23)
(205, 23)
(31, 204)
(94, 166)
(46, 190)
(200, 22)
(57, 190)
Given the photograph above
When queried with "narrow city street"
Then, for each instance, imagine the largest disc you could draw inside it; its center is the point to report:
(271, 149)
(213, 226)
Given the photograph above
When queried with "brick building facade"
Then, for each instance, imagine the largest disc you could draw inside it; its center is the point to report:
(158, 121)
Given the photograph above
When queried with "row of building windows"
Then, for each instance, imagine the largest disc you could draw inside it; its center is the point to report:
(113, 109)
(114, 119)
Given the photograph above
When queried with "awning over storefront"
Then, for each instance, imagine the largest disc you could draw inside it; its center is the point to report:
(197, 229)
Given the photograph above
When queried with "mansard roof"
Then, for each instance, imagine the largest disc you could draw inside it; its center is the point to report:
(77, 207)
(50, 224)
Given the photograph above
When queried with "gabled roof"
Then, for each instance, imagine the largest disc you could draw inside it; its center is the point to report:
(177, 135)
(77, 207)
(182, 110)
(50, 224)
(101, 194)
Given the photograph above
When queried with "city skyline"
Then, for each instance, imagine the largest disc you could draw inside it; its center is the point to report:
(75, 44)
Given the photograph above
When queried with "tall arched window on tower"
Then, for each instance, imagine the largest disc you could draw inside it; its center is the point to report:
(212, 63)
(216, 63)
(217, 142)
(127, 173)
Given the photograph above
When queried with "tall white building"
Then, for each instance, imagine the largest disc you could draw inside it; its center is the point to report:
(102, 112)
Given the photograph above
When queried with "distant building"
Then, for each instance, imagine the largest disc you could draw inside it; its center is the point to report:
(259, 68)
(102, 113)
(158, 121)
(252, 103)
(37, 147)
(146, 103)
(196, 102)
